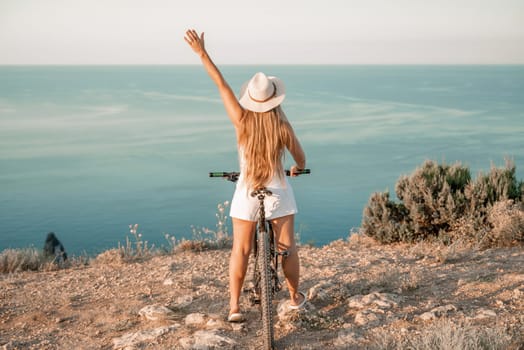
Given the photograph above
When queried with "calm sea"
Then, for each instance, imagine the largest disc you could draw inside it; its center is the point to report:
(86, 151)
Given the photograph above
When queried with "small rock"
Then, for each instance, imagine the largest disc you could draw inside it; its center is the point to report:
(204, 340)
(444, 310)
(426, 316)
(238, 327)
(168, 282)
(287, 317)
(485, 313)
(129, 340)
(437, 312)
(183, 301)
(291, 319)
(308, 347)
(186, 342)
(382, 300)
(517, 293)
(285, 313)
(215, 324)
(283, 309)
(345, 337)
(8, 346)
(365, 317)
(194, 319)
(156, 313)
(319, 291)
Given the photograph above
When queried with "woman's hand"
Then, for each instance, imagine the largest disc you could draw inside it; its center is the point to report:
(233, 108)
(196, 42)
(294, 171)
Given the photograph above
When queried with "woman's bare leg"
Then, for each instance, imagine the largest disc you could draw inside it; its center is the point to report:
(242, 241)
(284, 229)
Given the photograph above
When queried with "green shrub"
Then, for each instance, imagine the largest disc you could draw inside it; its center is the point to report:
(433, 196)
(499, 184)
(386, 219)
(436, 198)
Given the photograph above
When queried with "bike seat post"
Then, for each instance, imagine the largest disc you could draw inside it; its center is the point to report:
(261, 194)
(284, 254)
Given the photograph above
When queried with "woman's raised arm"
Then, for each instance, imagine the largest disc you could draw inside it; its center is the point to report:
(233, 108)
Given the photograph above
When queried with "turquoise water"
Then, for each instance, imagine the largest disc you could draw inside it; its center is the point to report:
(86, 151)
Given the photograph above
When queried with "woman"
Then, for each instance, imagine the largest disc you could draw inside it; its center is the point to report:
(263, 134)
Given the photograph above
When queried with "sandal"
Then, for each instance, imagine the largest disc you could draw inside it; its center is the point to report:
(302, 303)
(235, 317)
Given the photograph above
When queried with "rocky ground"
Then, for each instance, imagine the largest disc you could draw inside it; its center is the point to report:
(361, 296)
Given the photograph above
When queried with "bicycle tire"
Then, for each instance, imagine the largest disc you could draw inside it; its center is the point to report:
(266, 295)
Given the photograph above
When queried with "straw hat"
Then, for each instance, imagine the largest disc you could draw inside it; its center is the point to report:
(262, 93)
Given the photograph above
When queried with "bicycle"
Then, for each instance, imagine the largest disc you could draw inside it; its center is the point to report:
(265, 272)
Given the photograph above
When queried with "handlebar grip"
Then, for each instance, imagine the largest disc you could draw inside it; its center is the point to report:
(218, 174)
(230, 176)
(300, 172)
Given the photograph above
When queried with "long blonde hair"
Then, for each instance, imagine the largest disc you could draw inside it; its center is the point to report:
(263, 138)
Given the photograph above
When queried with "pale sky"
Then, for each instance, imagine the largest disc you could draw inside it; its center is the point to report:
(263, 32)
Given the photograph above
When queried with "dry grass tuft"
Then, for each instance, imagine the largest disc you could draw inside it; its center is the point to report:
(357, 239)
(393, 279)
(194, 245)
(385, 278)
(136, 250)
(439, 252)
(203, 238)
(29, 259)
(16, 260)
(112, 257)
(445, 335)
(507, 219)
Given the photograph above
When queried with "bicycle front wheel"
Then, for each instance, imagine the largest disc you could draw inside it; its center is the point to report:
(266, 295)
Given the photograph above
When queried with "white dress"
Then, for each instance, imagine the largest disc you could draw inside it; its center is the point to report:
(280, 203)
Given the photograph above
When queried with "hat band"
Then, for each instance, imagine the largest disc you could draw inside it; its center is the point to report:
(267, 99)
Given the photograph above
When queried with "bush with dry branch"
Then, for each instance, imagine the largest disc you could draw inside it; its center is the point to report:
(442, 201)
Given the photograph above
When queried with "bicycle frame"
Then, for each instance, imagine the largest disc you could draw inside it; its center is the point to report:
(265, 271)
(264, 227)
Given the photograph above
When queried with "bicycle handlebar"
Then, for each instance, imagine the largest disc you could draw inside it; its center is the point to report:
(233, 175)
